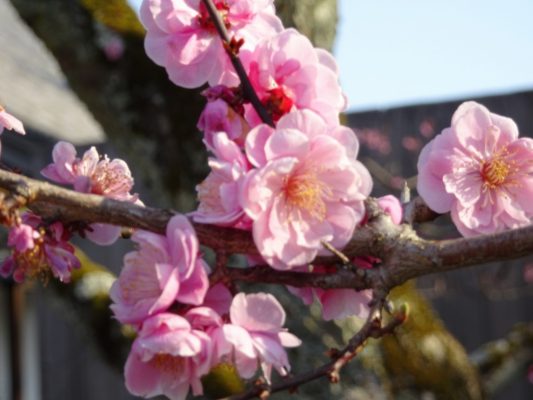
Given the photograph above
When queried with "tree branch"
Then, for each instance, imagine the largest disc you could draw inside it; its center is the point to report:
(232, 53)
(403, 253)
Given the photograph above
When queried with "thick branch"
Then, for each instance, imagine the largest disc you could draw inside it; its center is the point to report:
(404, 254)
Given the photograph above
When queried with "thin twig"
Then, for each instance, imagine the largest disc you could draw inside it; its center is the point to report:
(342, 257)
(372, 328)
(247, 87)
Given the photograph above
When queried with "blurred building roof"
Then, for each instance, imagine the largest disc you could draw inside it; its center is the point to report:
(33, 88)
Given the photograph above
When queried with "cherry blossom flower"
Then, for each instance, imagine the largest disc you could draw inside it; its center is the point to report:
(168, 357)
(255, 336)
(480, 171)
(307, 188)
(392, 206)
(22, 237)
(39, 250)
(218, 116)
(96, 175)
(289, 73)
(164, 269)
(182, 38)
(219, 192)
(9, 122)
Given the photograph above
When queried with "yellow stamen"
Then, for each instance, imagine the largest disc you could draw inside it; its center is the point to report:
(168, 363)
(307, 192)
(495, 172)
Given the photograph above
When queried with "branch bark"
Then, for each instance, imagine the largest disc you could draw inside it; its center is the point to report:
(403, 253)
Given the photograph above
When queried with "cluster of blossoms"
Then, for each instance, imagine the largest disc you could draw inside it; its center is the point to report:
(184, 328)
(92, 174)
(40, 248)
(293, 181)
(296, 184)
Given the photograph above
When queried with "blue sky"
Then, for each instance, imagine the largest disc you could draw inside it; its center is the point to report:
(401, 52)
(396, 52)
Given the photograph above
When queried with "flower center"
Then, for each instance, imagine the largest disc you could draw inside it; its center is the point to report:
(307, 192)
(494, 172)
(205, 21)
(277, 103)
(109, 179)
(168, 364)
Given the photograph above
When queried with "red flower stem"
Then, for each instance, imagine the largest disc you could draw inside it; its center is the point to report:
(248, 90)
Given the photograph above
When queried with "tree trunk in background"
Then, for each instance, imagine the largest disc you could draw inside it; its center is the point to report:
(317, 19)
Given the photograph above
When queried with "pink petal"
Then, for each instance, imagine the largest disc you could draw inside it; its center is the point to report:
(288, 339)
(342, 303)
(103, 234)
(286, 143)
(194, 288)
(257, 312)
(305, 121)
(9, 122)
(142, 379)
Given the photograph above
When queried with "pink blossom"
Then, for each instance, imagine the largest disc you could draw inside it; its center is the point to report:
(336, 303)
(218, 298)
(289, 73)
(219, 192)
(164, 269)
(182, 38)
(218, 116)
(392, 206)
(480, 171)
(307, 188)
(9, 122)
(39, 250)
(168, 357)
(22, 237)
(92, 174)
(255, 335)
